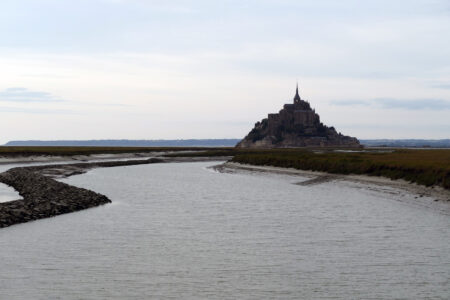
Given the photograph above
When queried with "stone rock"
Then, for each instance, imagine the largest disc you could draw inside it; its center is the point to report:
(45, 197)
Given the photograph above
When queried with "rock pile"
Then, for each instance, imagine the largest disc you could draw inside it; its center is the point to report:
(45, 197)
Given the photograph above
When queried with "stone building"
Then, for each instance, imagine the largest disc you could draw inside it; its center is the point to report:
(296, 125)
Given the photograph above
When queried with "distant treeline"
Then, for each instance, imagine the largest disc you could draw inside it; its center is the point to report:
(411, 143)
(130, 143)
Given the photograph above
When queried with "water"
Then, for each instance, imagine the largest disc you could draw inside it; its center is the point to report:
(182, 231)
(7, 193)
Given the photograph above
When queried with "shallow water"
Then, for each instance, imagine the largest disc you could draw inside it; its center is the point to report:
(7, 193)
(184, 231)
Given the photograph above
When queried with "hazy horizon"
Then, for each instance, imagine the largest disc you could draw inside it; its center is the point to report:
(134, 69)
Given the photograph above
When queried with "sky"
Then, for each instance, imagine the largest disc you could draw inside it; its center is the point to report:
(179, 69)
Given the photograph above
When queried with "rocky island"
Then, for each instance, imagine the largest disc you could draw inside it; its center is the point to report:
(296, 125)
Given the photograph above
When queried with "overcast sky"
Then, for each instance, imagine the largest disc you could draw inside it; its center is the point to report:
(143, 69)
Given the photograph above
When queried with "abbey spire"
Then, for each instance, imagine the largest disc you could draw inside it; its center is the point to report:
(297, 96)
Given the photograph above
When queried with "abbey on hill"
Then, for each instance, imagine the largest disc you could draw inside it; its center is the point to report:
(296, 125)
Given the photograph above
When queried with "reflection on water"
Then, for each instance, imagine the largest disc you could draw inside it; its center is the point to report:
(182, 231)
(7, 193)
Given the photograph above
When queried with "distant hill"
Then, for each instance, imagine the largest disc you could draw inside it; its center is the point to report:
(412, 143)
(132, 143)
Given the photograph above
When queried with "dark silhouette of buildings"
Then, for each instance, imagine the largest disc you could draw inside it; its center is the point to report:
(296, 125)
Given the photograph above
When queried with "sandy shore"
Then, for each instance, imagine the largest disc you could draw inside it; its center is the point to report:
(66, 170)
(42, 159)
(431, 197)
(4, 160)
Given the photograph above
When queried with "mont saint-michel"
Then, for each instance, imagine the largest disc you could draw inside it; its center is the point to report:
(296, 125)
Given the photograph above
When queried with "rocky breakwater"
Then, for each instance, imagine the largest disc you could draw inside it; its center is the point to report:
(45, 197)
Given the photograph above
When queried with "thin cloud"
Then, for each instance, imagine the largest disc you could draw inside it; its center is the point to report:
(6, 110)
(392, 103)
(23, 95)
(442, 86)
(350, 102)
(20, 94)
(414, 104)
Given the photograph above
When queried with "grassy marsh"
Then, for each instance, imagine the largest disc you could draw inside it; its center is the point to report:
(425, 167)
(67, 151)
(429, 167)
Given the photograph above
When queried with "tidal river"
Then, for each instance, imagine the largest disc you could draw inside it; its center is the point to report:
(184, 231)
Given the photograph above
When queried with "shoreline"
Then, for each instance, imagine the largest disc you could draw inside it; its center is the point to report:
(432, 197)
(56, 171)
(22, 159)
(45, 197)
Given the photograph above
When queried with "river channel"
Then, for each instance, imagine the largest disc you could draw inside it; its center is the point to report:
(185, 231)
